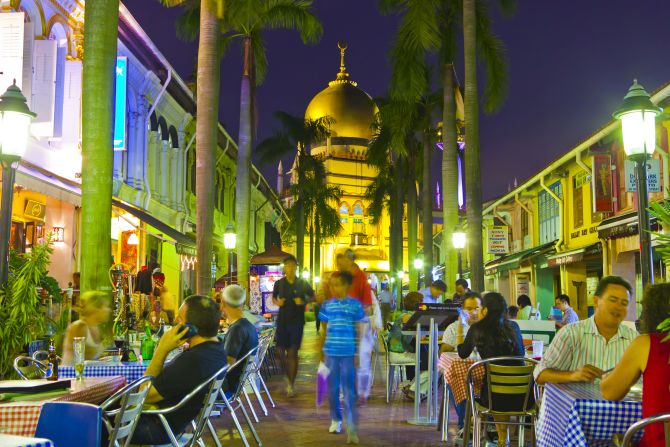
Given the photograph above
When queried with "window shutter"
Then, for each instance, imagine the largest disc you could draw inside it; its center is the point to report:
(27, 76)
(44, 87)
(72, 103)
(11, 49)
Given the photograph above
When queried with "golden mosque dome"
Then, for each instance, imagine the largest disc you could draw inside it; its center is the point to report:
(352, 110)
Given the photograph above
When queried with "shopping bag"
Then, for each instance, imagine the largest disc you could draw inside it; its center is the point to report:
(321, 383)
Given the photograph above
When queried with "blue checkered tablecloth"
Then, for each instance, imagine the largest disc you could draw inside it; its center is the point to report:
(575, 414)
(23, 441)
(130, 370)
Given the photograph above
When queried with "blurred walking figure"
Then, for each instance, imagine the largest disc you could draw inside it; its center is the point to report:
(94, 309)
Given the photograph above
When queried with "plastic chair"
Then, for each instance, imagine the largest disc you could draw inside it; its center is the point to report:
(234, 402)
(70, 423)
(121, 421)
(28, 368)
(501, 379)
(634, 430)
(213, 386)
(392, 376)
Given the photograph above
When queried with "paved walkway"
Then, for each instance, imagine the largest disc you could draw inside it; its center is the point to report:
(297, 421)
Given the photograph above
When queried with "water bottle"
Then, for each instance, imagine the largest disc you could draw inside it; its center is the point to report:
(538, 314)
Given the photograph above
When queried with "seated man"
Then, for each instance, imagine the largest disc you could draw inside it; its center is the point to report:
(562, 303)
(433, 294)
(203, 358)
(582, 351)
(455, 333)
(241, 337)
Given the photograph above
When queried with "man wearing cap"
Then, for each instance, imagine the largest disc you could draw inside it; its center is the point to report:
(291, 294)
(241, 336)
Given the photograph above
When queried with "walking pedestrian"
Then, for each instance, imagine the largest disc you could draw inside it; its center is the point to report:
(341, 328)
(291, 294)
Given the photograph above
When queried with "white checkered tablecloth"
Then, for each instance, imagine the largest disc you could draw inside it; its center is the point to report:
(22, 441)
(20, 418)
(575, 414)
(131, 371)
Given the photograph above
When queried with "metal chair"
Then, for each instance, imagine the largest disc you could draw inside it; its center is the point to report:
(633, 430)
(212, 386)
(258, 360)
(234, 401)
(42, 356)
(393, 376)
(31, 368)
(501, 379)
(121, 420)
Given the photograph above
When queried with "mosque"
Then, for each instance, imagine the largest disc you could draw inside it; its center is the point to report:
(344, 156)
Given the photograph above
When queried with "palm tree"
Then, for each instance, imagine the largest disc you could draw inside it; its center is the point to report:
(297, 133)
(428, 25)
(100, 40)
(247, 19)
(208, 14)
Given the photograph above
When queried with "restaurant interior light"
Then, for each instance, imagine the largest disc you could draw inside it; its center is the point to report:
(58, 234)
(638, 121)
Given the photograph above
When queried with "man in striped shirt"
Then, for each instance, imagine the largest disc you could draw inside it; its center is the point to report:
(582, 351)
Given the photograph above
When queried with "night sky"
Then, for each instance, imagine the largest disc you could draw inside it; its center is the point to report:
(571, 62)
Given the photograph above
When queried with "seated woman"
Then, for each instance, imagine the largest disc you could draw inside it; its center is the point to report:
(156, 315)
(94, 309)
(495, 336)
(647, 356)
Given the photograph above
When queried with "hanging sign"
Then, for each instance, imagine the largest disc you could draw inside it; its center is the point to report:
(653, 176)
(120, 103)
(498, 240)
(601, 183)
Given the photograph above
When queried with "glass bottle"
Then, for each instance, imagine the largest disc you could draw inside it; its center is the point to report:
(148, 344)
(52, 361)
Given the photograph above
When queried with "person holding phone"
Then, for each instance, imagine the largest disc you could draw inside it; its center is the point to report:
(197, 323)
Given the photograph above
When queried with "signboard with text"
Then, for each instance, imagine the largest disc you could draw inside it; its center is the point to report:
(498, 240)
(120, 104)
(653, 176)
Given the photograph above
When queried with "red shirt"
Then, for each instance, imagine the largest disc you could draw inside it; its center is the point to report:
(656, 389)
(360, 289)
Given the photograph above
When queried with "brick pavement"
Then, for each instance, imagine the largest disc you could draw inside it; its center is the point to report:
(297, 422)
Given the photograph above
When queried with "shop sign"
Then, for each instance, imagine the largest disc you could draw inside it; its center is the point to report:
(188, 262)
(120, 103)
(522, 285)
(498, 240)
(567, 259)
(35, 210)
(653, 176)
(601, 178)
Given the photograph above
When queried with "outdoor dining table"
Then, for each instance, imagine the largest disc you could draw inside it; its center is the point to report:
(576, 414)
(23, 441)
(20, 417)
(130, 370)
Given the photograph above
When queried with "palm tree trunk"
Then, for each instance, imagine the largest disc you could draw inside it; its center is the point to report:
(412, 221)
(472, 172)
(398, 212)
(316, 270)
(311, 247)
(300, 218)
(207, 98)
(100, 37)
(449, 176)
(427, 211)
(243, 181)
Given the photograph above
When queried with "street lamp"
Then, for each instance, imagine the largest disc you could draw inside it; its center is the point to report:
(458, 241)
(15, 117)
(638, 126)
(229, 242)
(418, 265)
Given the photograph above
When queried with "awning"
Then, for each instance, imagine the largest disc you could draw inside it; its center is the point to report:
(514, 260)
(569, 257)
(185, 244)
(39, 181)
(623, 225)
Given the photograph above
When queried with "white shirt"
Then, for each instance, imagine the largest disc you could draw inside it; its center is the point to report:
(450, 335)
(427, 297)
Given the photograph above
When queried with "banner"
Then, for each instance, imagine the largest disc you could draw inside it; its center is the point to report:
(498, 240)
(601, 183)
(120, 103)
(653, 176)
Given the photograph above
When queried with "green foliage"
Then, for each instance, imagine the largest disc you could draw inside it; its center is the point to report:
(21, 317)
(661, 210)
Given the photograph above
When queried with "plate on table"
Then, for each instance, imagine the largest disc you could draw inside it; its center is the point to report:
(32, 386)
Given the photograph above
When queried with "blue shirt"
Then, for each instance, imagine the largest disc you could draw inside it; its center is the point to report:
(427, 297)
(341, 316)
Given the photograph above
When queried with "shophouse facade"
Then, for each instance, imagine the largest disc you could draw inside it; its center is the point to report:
(573, 223)
(41, 46)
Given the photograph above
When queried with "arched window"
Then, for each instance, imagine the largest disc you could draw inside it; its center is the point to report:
(344, 208)
(358, 209)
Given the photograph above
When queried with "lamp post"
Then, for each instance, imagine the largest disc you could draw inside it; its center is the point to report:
(638, 127)
(229, 242)
(15, 117)
(418, 265)
(458, 241)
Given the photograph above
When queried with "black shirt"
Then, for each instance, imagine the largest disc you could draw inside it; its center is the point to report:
(240, 339)
(179, 377)
(490, 349)
(290, 312)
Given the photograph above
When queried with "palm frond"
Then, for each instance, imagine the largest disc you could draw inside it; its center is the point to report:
(293, 15)
(260, 57)
(507, 7)
(493, 54)
(187, 24)
(273, 148)
(172, 3)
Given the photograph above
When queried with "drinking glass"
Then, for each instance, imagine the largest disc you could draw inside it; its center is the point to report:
(79, 348)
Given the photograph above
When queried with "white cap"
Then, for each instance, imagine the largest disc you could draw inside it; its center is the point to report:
(234, 295)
